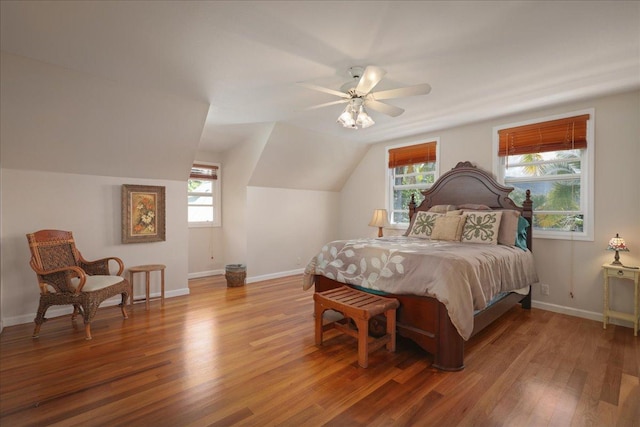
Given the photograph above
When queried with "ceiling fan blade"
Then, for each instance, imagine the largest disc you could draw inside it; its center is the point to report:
(422, 89)
(324, 89)
(326, 104)
(369, 79)
(381, 107)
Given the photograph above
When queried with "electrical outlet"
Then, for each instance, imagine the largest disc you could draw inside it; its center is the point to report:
(298, 261)
(544, 289)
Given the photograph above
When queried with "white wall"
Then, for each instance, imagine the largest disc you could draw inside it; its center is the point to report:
(566, 266)
(238, 163)
(362, 193)
(90, 207)
(286, 228)
(206, 253)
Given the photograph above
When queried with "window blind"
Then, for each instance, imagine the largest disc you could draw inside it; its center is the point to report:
(419, 153)
(553, 135)
(203, 172)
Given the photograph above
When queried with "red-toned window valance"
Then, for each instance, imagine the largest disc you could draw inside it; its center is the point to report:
(419, 153)
(554, 135)
(203, 172)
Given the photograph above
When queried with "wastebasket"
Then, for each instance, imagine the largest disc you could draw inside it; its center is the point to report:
(235, 275)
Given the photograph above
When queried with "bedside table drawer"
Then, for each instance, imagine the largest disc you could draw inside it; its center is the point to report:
(623, 274)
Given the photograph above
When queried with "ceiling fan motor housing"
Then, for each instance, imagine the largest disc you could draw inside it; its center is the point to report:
(349, 87)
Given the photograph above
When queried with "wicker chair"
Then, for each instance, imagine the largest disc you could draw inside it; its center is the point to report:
(65, 277)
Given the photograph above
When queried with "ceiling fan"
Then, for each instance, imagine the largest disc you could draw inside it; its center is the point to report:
(358, 93)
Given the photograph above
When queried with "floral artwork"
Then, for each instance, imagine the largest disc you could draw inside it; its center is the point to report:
(142, 213)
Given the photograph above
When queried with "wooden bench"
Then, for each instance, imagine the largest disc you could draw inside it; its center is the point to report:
(359, 307)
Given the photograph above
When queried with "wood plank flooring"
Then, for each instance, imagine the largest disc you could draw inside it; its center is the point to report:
(246, 356)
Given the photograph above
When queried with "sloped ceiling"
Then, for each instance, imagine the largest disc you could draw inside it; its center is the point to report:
(172, 77)
(302, 159)
(59, 120)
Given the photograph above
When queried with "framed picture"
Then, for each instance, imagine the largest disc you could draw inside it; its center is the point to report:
(143, 212)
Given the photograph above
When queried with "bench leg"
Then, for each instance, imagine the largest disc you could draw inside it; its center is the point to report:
(363, 342)
(391, 329)
(319, 311)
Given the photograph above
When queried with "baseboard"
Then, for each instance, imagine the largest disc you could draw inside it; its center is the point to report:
(576, 312)
(251, 279)
(275, 276)
(56, 311)
(205, 274)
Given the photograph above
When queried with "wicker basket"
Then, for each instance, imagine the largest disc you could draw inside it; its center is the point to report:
(235, 275)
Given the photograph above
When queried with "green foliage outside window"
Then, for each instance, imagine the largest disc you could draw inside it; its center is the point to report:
(554, 181)
(410, 180)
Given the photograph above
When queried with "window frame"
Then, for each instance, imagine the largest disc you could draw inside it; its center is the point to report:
(587, 175)
(389, 177)
(215, 193)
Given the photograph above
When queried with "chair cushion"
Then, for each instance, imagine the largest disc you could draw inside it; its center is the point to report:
(95, 283)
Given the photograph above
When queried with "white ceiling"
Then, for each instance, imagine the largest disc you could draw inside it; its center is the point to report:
(483, 59)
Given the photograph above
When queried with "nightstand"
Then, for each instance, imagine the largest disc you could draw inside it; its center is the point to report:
(621, 273)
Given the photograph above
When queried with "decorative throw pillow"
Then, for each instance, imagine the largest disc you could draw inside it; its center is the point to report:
(508, 227)
(482, 227)
(423, 224)
(448, 228)
(442, 208)
(454, 213)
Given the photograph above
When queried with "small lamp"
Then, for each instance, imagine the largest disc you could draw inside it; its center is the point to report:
(617, 244)
(379, 220)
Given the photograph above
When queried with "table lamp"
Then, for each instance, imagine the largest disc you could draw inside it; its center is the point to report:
(617, 244)
(379, 220)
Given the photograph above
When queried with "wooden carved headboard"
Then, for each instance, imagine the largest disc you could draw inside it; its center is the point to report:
(465, 184)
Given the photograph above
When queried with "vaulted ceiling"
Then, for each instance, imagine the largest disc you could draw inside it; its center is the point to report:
(482, 59)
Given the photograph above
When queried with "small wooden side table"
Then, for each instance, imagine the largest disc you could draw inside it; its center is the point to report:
(621, 273)
(147, 269)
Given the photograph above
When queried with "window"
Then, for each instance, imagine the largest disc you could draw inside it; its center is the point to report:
(203, 195)
(411, 169)
(553, 158)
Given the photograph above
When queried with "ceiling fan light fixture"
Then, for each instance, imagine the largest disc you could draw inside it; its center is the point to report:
(346, 118)
(364, 120)
(355, 116)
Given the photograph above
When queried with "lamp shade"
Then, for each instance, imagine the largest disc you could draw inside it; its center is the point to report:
(617, 244)
(379, 218)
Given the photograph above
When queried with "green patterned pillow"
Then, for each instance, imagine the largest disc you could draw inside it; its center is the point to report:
(423, 224)
(482, 227)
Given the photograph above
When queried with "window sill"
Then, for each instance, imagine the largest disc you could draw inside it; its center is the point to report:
(582, 237)
(204, 225)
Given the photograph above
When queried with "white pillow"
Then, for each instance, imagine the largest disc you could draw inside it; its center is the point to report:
(423, 224)
(482, 227)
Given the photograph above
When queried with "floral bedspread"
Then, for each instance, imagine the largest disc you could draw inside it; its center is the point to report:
(463, 276)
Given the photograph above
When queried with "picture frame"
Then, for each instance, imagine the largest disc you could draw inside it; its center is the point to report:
(143, 213)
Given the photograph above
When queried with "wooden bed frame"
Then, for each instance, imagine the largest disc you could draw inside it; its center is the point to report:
(424, 319)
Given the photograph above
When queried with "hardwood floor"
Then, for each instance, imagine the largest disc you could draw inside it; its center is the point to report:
(246, 356)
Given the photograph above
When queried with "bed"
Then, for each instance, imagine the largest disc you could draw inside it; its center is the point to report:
(429, 317)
